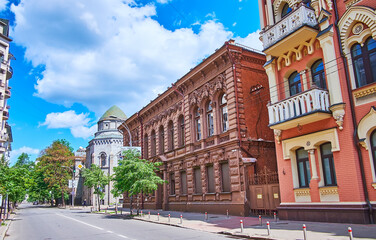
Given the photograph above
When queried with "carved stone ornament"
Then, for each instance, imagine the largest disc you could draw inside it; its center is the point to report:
(338, 113)
(207, 90)
(173, 109)
(330, 4)
(358, 28)
(277, 135)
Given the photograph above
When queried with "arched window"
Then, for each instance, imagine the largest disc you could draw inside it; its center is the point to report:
(170, 136)
(295, 85)
(304, 171)
(364, 61)
(197, 124)
(209, 117)
(181, 131)
(161, 140)
(153, 143)
(373, 148)
(318, 74)
(103, 157)
(146, 146)
(285, 10)
(330, 178)
(224, 114)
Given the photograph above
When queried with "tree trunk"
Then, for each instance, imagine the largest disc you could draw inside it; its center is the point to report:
(62, 198)
(131, 205)
(99, 203)
(1, 209)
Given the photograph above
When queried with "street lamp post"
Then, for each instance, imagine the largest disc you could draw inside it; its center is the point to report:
(129, 133)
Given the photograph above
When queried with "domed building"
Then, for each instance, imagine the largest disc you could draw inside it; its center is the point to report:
(104, 150)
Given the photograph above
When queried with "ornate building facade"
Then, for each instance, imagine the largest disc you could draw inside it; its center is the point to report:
(104, 150)
(6, 73)
(209, 129)
(321, 66)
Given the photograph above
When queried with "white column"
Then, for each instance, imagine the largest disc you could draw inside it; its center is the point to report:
(262, 13)
(313, 163)
(270, 12)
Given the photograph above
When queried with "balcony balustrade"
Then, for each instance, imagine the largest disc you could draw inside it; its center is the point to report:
(7, 93)
(306, 107)
(9, 72)
(303, 16)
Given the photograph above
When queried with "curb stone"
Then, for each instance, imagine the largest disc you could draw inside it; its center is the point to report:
(4, 231)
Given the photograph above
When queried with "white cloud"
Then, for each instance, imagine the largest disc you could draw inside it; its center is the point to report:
(234, 24)
(3, 4)
(14, 154)
(107, 52)
(252, 40)
(163, 1)
(77, 123)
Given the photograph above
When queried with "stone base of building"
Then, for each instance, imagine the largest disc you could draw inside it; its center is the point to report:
(209, 207)
(339, 213)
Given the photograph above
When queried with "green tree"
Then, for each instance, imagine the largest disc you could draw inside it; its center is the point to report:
(97, 179)
(23, 160)
(56, 162)
(135, 175)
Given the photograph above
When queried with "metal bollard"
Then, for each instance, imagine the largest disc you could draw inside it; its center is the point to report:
(275, 217)
(206, 216)
(260, 220)
(141, 213)
(304, 232)
(181, 218)
(158, 217)
(227, 214)
(241, 226)
(268, 225)
(149, 214)
(169, 217)
(350, 233)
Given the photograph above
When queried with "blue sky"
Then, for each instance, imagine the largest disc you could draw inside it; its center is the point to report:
(77, 58)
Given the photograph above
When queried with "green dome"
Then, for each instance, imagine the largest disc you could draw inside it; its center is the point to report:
(113, 112)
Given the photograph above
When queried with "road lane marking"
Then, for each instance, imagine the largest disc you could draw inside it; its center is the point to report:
(90, 225)
(80, 221)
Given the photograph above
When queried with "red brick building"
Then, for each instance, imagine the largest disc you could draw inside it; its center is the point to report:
(321, 66)
(210, 131)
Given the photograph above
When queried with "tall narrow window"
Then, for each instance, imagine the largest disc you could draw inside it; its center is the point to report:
(210, 121)
(295, 85)
(210, 178)
(225, 177)
(318, 74)
(285, 10)
(198, 124)
(364, 61)
(224, 114)
(373, 148)
(170, 136)
(172, 184)
(328, 165)
(198, 183)
(304, 171)
(146, 146)
(153, 143)
(181, 131)
(161, 140)
(103, 157)
(183, 182)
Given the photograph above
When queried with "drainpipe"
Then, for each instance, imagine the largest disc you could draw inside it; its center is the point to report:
(354, 122)
(142, 134)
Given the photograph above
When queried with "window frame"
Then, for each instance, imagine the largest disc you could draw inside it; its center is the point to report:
(331, 165)
(224, 114)
(210, 119)
(373, 149)
(181, 131)
(197, 186)
(286, 12)
(223, 185)
(365, 56)
(304, 160)
(103, 158)
(153, 144)
(297, 85)
(172, 184)
(208, 178)
(146, 146)
(319, 73)
(161, 140)
(170, 129)
(183, 186)
(198, 125)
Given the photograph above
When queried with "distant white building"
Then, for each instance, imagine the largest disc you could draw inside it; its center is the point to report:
(6, 73)
(104, 150)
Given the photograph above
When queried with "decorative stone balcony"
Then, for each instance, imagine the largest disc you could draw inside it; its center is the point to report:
(7, 93)
(5, 114)
(306, 107)
(298, 26)
(9, 72)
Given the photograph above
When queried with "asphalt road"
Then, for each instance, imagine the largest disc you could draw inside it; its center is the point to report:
(44, 223)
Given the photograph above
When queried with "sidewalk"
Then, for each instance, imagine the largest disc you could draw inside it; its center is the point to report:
(4, 228)
(279, 230)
